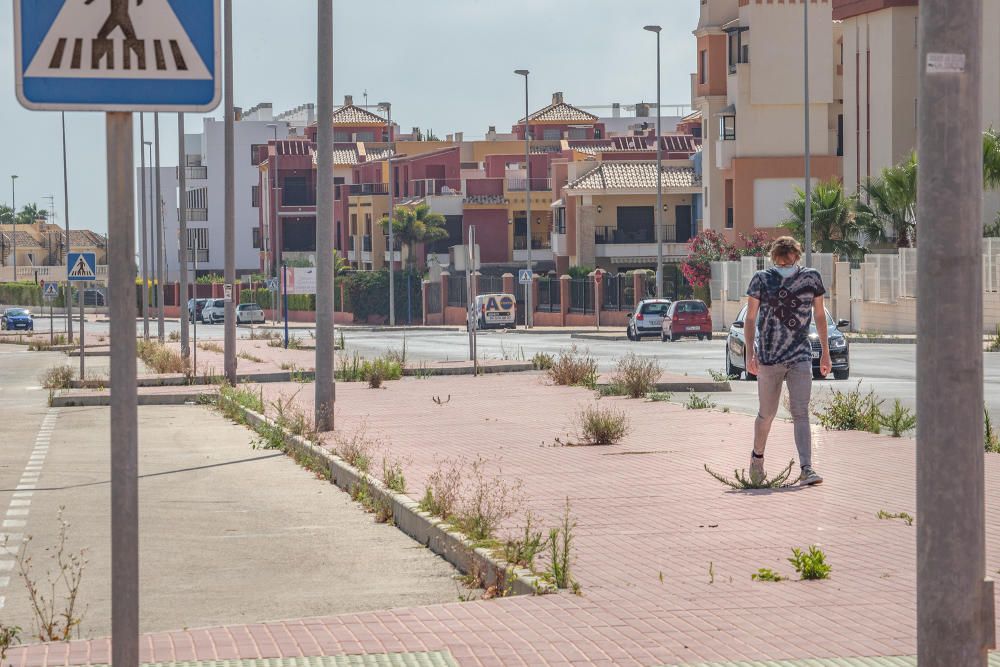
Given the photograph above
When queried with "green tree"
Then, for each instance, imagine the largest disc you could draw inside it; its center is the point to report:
(28, 214)
(991, 159)
(415, 225)
(889, 203)
(834, 227)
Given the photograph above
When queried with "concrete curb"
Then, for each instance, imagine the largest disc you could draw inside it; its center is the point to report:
(882, 340)
(573, 333)
(601, 337)
(694, 384)
(484, 369)
(407, 516)
(104, 400)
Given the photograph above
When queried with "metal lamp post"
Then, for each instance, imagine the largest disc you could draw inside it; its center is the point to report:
(13, 221)
(392, 214)
(147, 241)
(529, 314)
(805, 104)
(268, 246)
(659, 171)
(69, 320)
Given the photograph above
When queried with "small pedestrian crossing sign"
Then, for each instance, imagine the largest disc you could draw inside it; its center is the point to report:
(117, 55)
(51, 291)
(524, 276)
(81, 266)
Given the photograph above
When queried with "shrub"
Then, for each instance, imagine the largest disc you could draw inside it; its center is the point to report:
(993, 344)
(811, 564)
(899, 421)
(602, 426)
(766, 574)
(443, 489)
(57, 377)
(991, 439)
(743, 481)
(696, 402)
(174, 336)
(542, 361)
(487, 501)
(159, 357)
(523, 550)
(392, 475)
(573, 368)
(636, 376)
(852, 411)
(381, 369)
(356, 447)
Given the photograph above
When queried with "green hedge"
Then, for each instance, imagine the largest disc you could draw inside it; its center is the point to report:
(262, 297)
(26, 294)
(369, 294)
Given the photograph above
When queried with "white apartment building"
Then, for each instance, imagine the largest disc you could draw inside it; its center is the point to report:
(880, 52)
(751, 105)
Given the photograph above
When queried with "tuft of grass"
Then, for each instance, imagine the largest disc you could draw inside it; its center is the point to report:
(899, 421)
(598, 425)
(659, 396)
(636, 376)
(810, 564)
(574, 368)
(542, 361)
(209, 346)
(908, 518)
(993, 344)
(696, 402)
(159, 357)
(487, 500)
(767, 574)
(742, 480)
(250, 357)
(561, 552)
(443, 489)
(991, 439)
(718, 376)
(57, 377)
(231, 400)
(174, 336)
(357, 447)
(392, 475)
(523, 549)
(851, 411)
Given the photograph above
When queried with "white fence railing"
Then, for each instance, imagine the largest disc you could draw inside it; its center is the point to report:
(731, 279)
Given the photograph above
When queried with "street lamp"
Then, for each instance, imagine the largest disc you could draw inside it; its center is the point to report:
(806, 156)
(147, 241)
(529, 314)
(659, 171)
(268, 249)
(13, 221)
(392, 214)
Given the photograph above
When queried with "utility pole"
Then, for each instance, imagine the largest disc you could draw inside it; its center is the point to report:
(392, 216)
(13, 220)
(659, 171)
(806, 155)
(955, 603)
(158, 235)
(182, 221)
(142, 227)
(229, 348)
(69, 288)
(325, 390)
(529, 317)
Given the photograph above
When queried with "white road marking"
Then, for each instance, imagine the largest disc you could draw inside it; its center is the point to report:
(17, 512)
(6, 565)
(13, 523)
(20, 502)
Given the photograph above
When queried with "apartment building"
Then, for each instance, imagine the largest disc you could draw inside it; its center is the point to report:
(880, 54)
(751, 104)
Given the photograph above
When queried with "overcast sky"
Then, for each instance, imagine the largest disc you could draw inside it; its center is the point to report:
(444, 64)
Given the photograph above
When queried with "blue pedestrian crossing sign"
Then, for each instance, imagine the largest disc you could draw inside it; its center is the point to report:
(51, 291)
(81, 266)
(118, 55)
(524, 276)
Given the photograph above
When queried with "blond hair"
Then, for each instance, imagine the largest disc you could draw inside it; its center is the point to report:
(784, 247)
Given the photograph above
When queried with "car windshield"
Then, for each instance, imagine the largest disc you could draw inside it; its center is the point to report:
(654, 308)
(17, 312)
(691, 307)
(219, 303)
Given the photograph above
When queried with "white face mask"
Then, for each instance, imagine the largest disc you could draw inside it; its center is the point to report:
(787, 271)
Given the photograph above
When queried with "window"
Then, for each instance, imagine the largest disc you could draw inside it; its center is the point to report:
(730, 222)
(551, 134)
(702, 66)
(354, 224)
(256, 238)
(738, 51)
(727, 128)
(577, 133)
(341, 137)
(560, 221)
(296, 192)
(255, 196)
(255, 150)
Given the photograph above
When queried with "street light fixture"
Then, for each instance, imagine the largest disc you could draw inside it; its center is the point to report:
(392, 214)
(529, 314)
(659, 171)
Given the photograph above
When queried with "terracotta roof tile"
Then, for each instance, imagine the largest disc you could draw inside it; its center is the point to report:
(561, 111)
(353, 115)
(634, 175)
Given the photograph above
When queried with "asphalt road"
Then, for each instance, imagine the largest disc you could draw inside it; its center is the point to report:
(228, 534)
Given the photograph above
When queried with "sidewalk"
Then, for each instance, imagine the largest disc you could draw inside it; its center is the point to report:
(663, 552)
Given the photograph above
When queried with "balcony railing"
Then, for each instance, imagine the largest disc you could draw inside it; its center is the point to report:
(521, 184)
(422, 187)
(196, 214)
(350, 243)
(397, 243)
(194, 173)
(293, 199)
(537, 243)
(615, 236)
(370, 189)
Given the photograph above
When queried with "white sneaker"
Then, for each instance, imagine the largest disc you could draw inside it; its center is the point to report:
(809, 477)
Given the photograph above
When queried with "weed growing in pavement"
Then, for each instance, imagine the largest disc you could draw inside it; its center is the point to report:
(275, 342)
(263, 334)
(232, 400)
(993, 344)
(357, 447)
(397, 356)
(382, 508)
(10, 635)
(54, 600)
(636, 375)
(696, 402)
(522, 550)
(542, 361)
(57, 377)
(991, 439)
(766, 574)
(392, 475)
(211, 347)
(36, 345)
(443, 489)
(574, 368)
(341, 344)
(605, 390)
(810, 564)
(437, 400)
(288, 366)
(486, 501)
(899, 421)
(743, 481)
(882, 514)
(421, 372)
(718, 376)
(381, 369)
(711, 572)
(598, 425)
(561, 552)
(160, 358)
(174, 336)
(659, 396)
(851, 411)
(289, 417)
(250, 357)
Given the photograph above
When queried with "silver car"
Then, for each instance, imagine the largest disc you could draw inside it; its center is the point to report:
(647, 318)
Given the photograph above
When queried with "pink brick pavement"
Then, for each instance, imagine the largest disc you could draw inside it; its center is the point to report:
(643, 507)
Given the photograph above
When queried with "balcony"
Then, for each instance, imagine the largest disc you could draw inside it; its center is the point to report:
(614, 243)
(196, 214)
(537, 255)
(369, 189)
(521, 184)
(613, 236)
(194, 173)
(537, 243)
(298, 199)
(424, 187)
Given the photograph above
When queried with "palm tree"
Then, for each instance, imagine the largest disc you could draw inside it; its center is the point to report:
(30, 213)
(834, 228)
(889, 203)
(415, 225)
(991, 159)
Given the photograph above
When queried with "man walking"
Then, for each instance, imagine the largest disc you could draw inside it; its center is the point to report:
(782, 303)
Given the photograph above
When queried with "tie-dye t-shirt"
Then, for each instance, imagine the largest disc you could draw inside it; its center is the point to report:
(786, 310)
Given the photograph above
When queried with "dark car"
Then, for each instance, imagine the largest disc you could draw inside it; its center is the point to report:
(195, 306)
(646, 318)
(94, 297)
(17, 318)
(687, 317)
(840, 350)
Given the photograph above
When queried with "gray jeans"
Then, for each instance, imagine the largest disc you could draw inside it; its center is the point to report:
(798, 377)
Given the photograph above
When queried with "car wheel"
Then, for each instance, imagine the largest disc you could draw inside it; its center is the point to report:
(708, 336)
(731, 370)
(674, 337)
(663, 337)
(841, 375)
(701, 337)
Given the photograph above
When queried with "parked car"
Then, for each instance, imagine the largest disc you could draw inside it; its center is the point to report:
(840, 349)
(195, 308)
(17, 318)
(94, 298)
(688, 317)
(213, 311)
(249, 313)
(647, 318)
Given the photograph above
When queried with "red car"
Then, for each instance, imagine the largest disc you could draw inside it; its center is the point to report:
(689, 317)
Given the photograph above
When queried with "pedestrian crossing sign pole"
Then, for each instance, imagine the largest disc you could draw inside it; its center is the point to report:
(117, 55)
